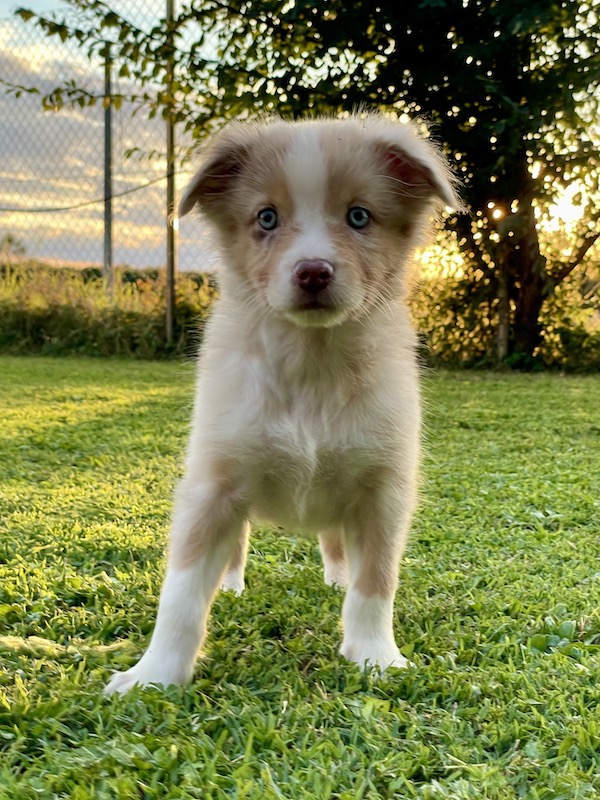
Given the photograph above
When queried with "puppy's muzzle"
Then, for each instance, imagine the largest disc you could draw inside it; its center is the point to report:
(313, 276)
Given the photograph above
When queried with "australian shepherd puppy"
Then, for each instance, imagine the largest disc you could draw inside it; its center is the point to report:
(307, 402)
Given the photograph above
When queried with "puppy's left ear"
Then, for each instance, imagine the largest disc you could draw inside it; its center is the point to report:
(420, 172)
(223, 166)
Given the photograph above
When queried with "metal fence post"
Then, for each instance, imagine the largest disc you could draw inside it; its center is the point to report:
(72, 227)
(172, 222)
(107, 270)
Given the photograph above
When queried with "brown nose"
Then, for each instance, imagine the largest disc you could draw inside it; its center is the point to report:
(313, 276)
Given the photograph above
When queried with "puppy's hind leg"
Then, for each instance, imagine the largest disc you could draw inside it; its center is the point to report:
(207, 524)
(331, 543)
(233, 580)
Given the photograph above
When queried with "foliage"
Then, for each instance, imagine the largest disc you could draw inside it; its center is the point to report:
(63, 311)
(58, 311)
(497, 608)
(11, 248)
(571, 324)
(458, 319)
(511, 89)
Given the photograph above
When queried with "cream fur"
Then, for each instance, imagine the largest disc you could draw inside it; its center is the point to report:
(307, 417)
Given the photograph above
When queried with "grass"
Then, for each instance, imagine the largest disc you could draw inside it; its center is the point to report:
(497, 607)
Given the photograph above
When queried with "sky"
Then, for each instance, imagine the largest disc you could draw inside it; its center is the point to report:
(51, 160)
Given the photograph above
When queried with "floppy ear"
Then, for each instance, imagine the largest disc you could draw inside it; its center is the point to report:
(213, 180)
(420, 175)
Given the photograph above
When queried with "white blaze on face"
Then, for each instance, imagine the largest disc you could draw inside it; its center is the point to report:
(306, 172)
(310, 233)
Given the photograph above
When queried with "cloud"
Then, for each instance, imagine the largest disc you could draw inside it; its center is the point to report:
(55, 159)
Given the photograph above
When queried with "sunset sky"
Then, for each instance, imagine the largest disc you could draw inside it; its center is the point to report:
(55, 160)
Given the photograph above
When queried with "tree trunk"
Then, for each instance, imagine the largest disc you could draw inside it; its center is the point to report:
(503, 316)
(527, 329)
(527, 269)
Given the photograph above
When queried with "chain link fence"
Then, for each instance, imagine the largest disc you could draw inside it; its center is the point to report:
(52, 161)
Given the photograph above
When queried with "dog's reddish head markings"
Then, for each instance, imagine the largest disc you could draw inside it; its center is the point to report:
(319, 216)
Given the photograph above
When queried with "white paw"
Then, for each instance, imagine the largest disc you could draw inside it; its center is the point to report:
(149, 670)
(374, 653)
(233, 581)
(334, 574)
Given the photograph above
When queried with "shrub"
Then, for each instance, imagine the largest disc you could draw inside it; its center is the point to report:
(456, 314)
(571, 318)
(60, 311)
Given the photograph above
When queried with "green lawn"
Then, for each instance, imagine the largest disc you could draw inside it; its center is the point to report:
(498, 607)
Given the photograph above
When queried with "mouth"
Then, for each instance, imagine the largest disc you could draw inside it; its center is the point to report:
(315, 314)
(314, 305)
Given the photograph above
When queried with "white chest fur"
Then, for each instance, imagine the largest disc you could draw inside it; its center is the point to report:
(310, 424)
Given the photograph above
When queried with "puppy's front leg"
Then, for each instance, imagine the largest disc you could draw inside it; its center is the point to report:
(373, 550)
(207, 526)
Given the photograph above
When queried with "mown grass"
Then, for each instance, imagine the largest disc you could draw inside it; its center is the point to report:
(498, 607)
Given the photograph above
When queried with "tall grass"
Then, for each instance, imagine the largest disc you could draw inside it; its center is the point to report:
(61, 311)
(65, 311)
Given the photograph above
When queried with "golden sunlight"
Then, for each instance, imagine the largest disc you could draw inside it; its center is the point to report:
(568, 210)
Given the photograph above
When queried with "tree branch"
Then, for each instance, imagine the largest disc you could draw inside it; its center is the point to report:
(581, 253)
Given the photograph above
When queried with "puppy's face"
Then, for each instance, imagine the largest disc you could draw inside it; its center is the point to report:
(316, 219)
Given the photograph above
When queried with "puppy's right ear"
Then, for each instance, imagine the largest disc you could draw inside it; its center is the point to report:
(213, 180)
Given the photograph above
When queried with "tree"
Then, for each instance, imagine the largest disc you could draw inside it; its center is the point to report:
(510, 88)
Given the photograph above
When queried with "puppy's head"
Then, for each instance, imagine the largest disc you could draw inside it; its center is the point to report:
(317, 219)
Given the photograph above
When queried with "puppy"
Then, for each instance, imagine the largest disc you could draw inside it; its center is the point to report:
(307, 402)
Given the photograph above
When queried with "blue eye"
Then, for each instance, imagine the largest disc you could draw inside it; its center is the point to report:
(358, 217)
(268, 219)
